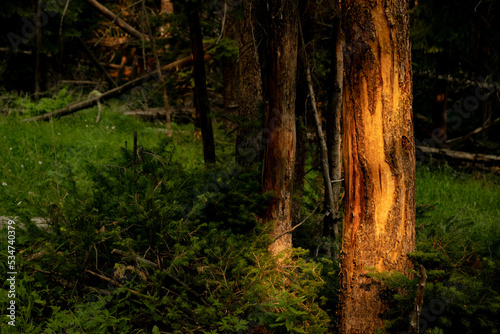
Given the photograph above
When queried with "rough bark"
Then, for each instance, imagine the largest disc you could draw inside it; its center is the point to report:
(249, 90)
(281, 62)
(379, 157)
(200, 84)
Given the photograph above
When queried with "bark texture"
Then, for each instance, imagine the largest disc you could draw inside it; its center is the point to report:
(280, 85)
(379, 157)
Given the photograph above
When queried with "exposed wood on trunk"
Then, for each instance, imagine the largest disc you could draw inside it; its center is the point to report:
(333, 117)
(200, 84)
(379, 157)
(475, 157)
(118, 21)
(280, 87)
(419, 300)
(96, 62)
(111, 93)
(249, 97)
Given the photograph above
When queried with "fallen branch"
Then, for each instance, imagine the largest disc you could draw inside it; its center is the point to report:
(179, 114)
(172, 67)
(419, 300)
(455, 141)
(112, 281)
(119, 22)
(476, 157)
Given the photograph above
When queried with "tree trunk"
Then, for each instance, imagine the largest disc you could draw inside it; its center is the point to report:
(249, 97)
(333, 117)
(281, 62)
(38, 76)
(230, 70)
(200, 89)
(379, 157)
(439, 111)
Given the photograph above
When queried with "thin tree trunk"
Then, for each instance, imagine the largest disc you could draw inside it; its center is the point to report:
(379, 157)
(281, 63)
(38, 76)
(321, 138)
(158, 69)
(419, 300)
(230, 70)
(200, 89)
(439, 111)
(333, 118)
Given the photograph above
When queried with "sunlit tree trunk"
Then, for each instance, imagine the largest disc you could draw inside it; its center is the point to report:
(379, 157)
(280, 85)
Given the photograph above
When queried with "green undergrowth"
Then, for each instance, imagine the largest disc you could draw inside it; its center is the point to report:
(154, 241)
(146, 242)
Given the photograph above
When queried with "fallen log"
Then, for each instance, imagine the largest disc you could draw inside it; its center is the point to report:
(172, 67)
(179, 115)
(475, 157)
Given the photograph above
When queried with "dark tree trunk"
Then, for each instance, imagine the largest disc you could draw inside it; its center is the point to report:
(230, 68)
(200, 90)
(38, 75)
(379, 157)
(280, 84)
(249, 98)
(439, 111)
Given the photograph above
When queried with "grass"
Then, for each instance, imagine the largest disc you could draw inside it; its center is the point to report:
(463, 202)
(42, 161)
(459, 195)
